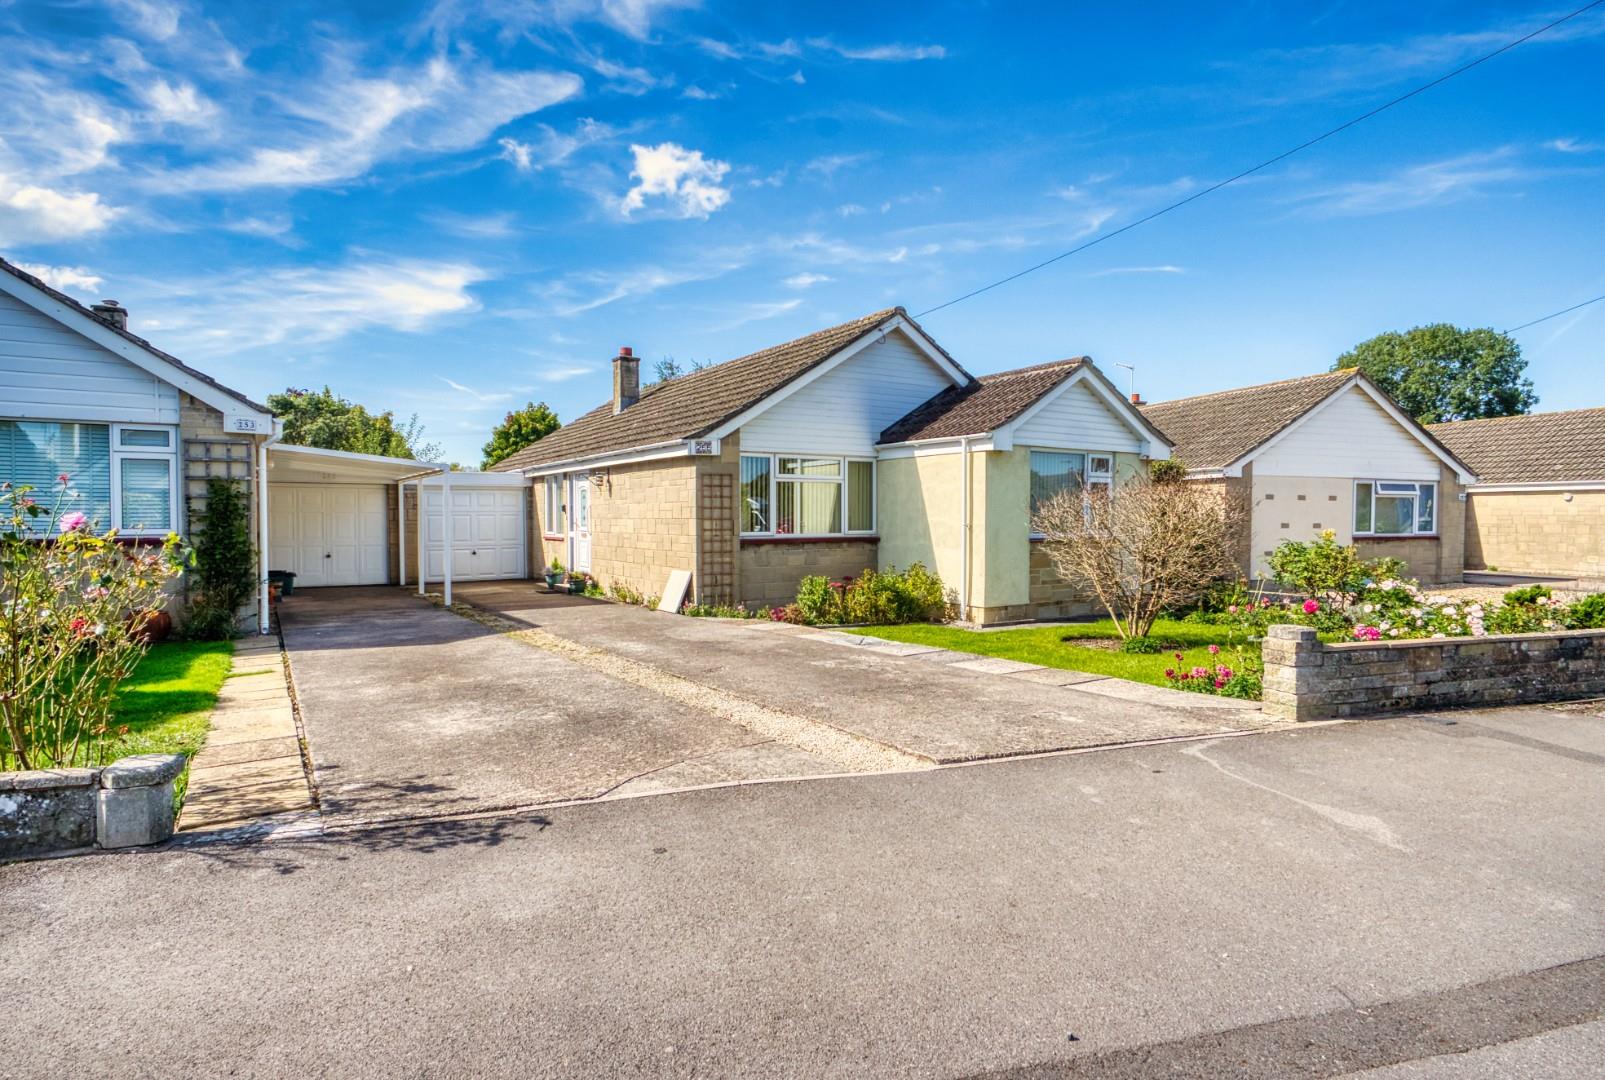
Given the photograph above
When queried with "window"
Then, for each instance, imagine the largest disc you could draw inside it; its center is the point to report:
(1394, 508)
(1100, 472)
(117, 475)
(793, 495)
(1052, 472)
(552, 516)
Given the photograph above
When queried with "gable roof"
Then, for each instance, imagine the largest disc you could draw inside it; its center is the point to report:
(1538, 448)
(164, 358)
(697, 403)
(1211, 431)
(982, 405)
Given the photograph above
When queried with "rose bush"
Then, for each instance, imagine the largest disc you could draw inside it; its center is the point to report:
(73, 607)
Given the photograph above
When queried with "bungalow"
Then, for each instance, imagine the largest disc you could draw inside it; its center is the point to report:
(1538, 506)
(140, 433)
(1328, 451)
(859, 446)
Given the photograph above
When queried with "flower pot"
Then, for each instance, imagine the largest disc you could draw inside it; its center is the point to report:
(576, 586)
(151, 627)
(553, 580)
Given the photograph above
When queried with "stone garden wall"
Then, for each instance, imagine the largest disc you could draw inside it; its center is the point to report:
(126, 804)
(1308, 680)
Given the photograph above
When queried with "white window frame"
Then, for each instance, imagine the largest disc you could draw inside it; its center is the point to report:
(145, 453)
(1089, 476)
(554, 505)
(775, 480)
(1415, 516)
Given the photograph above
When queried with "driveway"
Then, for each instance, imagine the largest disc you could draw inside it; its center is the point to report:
(1310, 902)
(411, 711)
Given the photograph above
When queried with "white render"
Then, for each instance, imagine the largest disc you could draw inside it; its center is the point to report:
(1348, 436)
(50, 372)
(843, 412)
(1078, 419)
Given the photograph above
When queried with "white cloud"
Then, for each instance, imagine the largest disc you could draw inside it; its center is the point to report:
(751, 313)
(179, 103)
(31, 213)
(697, 93)
(880, 52)
(152, 18)
(828, 165)
(63, 277)
(307, 305)
(492, 226)
(563, 373)
(797, 77)
(1570, 145)
(273, 227)
(357, 121)
(805, 280)
(1428, 184)
(687, 183)
(1166, 269)
(483, 398)
(633, 18)
(589, 290)
(553, 147)
(851, 209)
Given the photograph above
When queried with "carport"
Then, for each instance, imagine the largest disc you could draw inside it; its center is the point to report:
(335, 518)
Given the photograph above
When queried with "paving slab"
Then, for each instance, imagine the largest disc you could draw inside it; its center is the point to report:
(996, 665)
(232, 753)
(1049, 676)
(410, 710)
(927, 704)
(206, 807)
(277, 770)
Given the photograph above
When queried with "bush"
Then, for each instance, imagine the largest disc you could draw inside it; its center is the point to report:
(1327, 570)
(71, 616)
(1145, 646)
(1587, 613)
(717, 611)
(624, 594)
(225, 564)
(1528, 596)
(878, 597)
(1246, 680)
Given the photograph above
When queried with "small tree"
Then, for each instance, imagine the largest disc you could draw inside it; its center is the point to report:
(225, 563)
(324, 420)
(520, 428)
(1147, 548)
(1441, 372)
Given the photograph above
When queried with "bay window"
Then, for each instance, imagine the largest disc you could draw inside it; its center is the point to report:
(120, 476)
(798, 495)
(1395, 508)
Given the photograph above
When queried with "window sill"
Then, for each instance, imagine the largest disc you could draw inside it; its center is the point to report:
(1396, 536)
(553, 536)
(847, 538)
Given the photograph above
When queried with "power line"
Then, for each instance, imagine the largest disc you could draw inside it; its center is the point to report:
(1555, 314)
(1423, 88)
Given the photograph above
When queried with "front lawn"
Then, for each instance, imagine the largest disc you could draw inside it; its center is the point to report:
(167, 702)
(1055, 645)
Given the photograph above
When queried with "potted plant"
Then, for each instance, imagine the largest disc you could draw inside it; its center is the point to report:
(577, 583)
(554, 575)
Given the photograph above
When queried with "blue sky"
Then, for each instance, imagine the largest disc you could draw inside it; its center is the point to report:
(456, 207)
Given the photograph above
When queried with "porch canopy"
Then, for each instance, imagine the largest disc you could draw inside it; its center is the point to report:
(286, 464)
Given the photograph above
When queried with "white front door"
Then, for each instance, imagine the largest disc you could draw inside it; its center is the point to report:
(487, 533)
(579, 522)
(329, 534)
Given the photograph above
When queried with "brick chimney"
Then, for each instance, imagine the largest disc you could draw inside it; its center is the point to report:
(626, 380)
(110, 311)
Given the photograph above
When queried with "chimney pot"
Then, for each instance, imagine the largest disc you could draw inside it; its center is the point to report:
(1136, 399)
(110, 311)
(626, 380)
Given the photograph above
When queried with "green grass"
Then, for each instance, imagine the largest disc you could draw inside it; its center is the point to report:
(167, 702)
(1055, 645)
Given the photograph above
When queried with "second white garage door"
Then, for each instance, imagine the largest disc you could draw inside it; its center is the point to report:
(329, 534)
(487, 533)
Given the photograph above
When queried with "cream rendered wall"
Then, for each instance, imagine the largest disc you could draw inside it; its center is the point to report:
(919, 515)
(845, 410)
(1298, 508)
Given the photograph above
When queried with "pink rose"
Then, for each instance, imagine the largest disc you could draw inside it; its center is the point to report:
(1170, 673)
(1311, 607)
(1214, 650)
(74, 521)
(1232, 609)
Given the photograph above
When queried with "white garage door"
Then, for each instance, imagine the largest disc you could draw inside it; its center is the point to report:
(329, 534)
(487, 533)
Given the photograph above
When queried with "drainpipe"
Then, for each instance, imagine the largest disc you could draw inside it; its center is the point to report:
(401, 533)
(423, 563)
(263, 618)
(964, 524)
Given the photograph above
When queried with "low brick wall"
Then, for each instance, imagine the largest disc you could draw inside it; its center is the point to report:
(1308, 680)
(126, 804)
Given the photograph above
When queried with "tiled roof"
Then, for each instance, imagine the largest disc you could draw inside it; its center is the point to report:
(63, 298)
(695, 403)
(983, 405)
(1556, 447)
(1213, 430)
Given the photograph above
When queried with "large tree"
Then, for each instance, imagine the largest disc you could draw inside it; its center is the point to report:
(1441, 372)
(521, 428)
(319, 418)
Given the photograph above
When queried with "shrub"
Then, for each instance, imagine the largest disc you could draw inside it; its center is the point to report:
(1145, 646)
(1528, 595)
(717, 611)
(817, 601)
(225, 564)
(1587, 613)
(875, 596)
(624, 594)
(1327, 570)
(1166, 471)
(71, 615)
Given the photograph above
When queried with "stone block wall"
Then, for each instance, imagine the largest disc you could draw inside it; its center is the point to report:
(770, 569)
(128, 803)
(1308, 680)
(1051, 596)
(643, 523)
(1533, 532)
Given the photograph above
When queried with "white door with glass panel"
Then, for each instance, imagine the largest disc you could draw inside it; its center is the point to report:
(333, 534)
(579, 521)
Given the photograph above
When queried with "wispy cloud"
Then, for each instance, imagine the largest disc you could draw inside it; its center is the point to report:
(493, 226)
(806, 280)
(828, 165)
(751, 313)
(563, 373)
(896, 53)
(632, 18)
(1572, 146)
(675, 181)
(818, 47)
(578, 293)
(1166, 269)
(478, 396)
(66, 278)
(1427, 184)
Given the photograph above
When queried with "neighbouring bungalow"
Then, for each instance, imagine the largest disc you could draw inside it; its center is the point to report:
(1538, 506)
(1329, 451)
(864, 445)
(140, 433)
